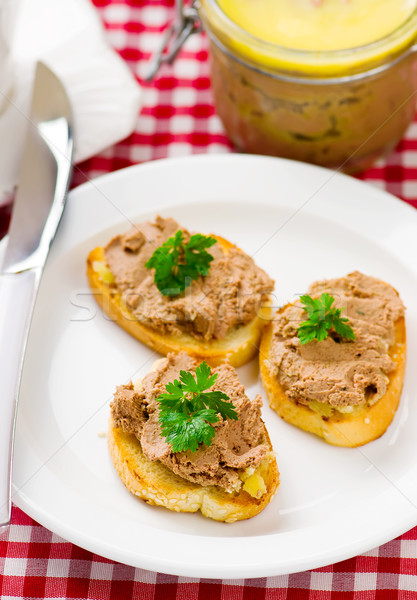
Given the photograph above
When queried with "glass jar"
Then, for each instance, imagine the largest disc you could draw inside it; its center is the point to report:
(341, 109)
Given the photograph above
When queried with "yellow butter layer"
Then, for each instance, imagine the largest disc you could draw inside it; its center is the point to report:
(319, 26)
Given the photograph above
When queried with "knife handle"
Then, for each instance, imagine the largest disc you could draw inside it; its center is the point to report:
(17, 299)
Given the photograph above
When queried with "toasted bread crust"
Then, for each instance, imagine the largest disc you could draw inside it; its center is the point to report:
(158, 485)
(236, 348)
(343, 429)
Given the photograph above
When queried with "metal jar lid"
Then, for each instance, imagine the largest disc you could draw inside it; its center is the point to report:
(186, 23)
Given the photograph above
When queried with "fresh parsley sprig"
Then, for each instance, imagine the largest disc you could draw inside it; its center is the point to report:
(187, 410)
(322, 318)
(176, 264)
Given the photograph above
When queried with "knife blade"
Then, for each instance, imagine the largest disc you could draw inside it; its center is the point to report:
(39, 203)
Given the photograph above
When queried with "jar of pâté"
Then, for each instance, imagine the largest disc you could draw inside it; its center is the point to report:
(330, 82)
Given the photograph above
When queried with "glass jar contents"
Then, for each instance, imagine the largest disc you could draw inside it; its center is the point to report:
(318, 24)
(341, 95)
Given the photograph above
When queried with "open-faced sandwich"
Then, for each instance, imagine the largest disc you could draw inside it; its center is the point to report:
(187, 437)
(175, 291)
(333, 362)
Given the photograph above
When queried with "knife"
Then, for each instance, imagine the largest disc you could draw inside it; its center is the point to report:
(43, 184)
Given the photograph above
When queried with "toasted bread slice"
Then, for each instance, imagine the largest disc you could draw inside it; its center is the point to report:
(236, 348)
(158, 485)
(361, 426)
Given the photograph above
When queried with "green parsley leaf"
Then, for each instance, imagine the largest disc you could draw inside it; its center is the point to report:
(322, 318)
(184, 433)
(176, 264)
(187, 410)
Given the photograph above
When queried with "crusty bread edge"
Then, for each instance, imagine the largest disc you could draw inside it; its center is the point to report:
(157, 485)
(237, 348)
(345, 430)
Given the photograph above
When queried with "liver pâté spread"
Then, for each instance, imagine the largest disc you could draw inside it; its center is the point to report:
(237, 445)
(229, 296)
(343, 374)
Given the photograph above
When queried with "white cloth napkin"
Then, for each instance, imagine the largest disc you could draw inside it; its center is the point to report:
(68, 36)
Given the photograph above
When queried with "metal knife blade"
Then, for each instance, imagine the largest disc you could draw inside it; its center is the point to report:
(43, 176)
(43, 183)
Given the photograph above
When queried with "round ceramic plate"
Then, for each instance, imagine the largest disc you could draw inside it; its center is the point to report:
(300, 223)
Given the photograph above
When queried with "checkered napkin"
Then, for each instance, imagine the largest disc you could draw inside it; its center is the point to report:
(178, 119)
(35, 563)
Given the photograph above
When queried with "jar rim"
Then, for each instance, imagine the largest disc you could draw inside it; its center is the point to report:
(402, 37)
(302, 79)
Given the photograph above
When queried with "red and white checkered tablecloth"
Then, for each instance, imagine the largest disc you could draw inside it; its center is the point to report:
(178, 119)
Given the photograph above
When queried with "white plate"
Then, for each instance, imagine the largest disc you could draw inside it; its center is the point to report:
(301, 223)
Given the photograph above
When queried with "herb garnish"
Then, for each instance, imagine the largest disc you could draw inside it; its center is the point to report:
(321, 319)
(176, 263)
(187, 410)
